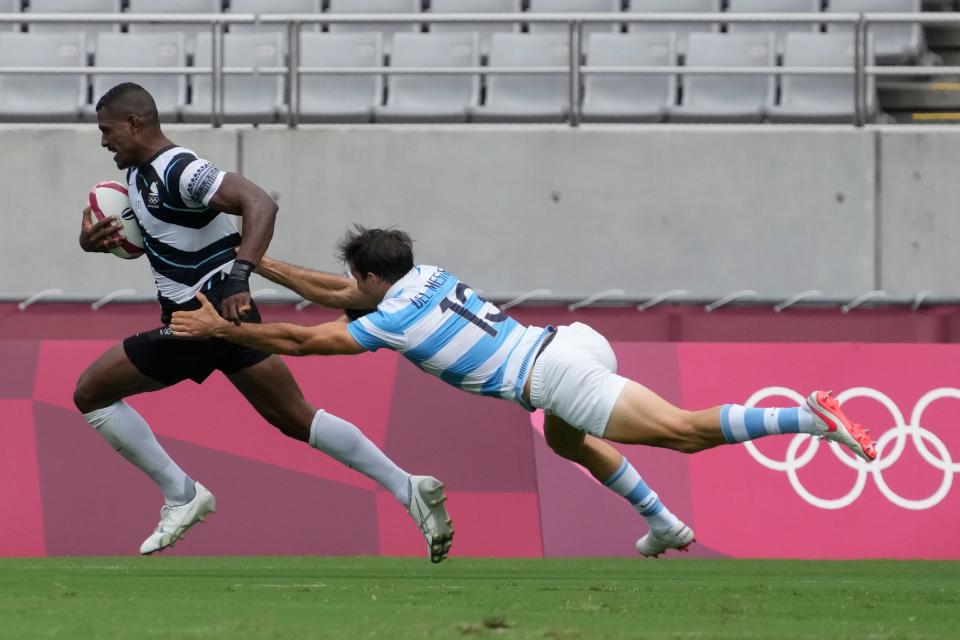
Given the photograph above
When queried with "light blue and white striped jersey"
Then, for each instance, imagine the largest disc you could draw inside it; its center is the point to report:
(446, 329)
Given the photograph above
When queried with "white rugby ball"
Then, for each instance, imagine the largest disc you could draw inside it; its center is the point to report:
(110, 198)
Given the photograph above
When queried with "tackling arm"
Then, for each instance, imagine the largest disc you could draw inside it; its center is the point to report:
(330, 338)
(327, 289)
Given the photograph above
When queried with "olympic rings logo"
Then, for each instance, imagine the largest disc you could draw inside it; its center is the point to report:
(901, 432)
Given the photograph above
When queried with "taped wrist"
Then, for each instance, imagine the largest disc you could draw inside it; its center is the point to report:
(238, 281)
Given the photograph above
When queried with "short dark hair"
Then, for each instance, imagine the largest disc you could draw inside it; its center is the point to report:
(387, 253)
(129, 98)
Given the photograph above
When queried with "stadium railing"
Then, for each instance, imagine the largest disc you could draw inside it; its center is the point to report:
(575, 70)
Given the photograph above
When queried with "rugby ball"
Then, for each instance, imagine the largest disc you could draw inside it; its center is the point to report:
(110, 199)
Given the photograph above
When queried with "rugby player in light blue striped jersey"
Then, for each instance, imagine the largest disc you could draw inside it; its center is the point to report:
(429, 316)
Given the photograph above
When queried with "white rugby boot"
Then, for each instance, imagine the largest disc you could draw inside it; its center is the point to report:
(175, 520)
(678, 537)
(836, 426)
(430, 514)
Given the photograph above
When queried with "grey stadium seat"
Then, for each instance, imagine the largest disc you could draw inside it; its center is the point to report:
(892, 43)
(247, 98)
(484, 30)
(273, 6)
(8, 7)
(821, 98)
(682, 30)
(189, 31)
(432, 98)
(630, 97)
(528, 98)
(75, 6)
(575, 6)
(142, 50)
(780, 30)
(340, 98)
(728, 98)
(386, 29)
(42, 98)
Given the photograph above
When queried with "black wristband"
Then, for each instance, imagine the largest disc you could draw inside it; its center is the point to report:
(238, 279)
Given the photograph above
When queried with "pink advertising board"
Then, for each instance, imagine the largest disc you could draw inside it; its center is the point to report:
(63, 491)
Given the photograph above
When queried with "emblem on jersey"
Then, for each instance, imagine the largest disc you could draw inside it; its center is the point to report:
(153, 197)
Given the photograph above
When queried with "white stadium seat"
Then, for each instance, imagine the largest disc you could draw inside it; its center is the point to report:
(781, 29)
(75, 6)
(484, 30)
(340, 98)
(375, 6)
(8, 7)
(247, 98)
(189, 31)
(728, 98)
(531, 97)
(432, 98)
(681, 29)
(42, 98)
(575, 6)
(142, 50)
(273, 6)
(630, 97)
(821, 98)
(892, 43)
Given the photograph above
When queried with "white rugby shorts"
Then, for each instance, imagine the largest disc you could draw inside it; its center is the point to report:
(575, 378)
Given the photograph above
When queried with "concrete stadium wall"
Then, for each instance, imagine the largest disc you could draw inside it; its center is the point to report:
(511, 209)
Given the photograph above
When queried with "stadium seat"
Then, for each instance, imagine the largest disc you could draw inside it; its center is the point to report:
(189, 31)
(273, 6)
(727, 98)
(340, 98)
(42, 98)
(780, 30)
(821, 98)
(630, 97)
(682, 30)
(892, 43)
(7, 7)
(247, 98)
(142, 50)
(484, 30)
(375, 6)
(575, 6)
(529, 97)
(75, 6)
(432, 98)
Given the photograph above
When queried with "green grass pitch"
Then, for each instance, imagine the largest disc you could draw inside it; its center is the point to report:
(399, 598)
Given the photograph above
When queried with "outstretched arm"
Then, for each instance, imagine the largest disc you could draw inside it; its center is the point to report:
(327, 289)
(330, 338)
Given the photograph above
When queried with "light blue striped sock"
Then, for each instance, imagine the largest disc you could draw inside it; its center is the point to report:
(628, 483)
(740, 423)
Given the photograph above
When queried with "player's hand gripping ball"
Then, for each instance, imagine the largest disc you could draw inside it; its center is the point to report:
(109, 200)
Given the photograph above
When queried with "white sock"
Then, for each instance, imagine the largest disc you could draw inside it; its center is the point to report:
(130, 435)
(628, 483)
(347, 444)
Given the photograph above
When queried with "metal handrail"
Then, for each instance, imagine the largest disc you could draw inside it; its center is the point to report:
(641, 301)
(861, 23)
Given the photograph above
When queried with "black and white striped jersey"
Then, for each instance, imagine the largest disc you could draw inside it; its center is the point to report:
(185, 240)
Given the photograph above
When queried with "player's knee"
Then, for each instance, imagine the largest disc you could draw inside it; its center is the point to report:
(85, 395)
(565, 447)
(289, 424)
(683, 432)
